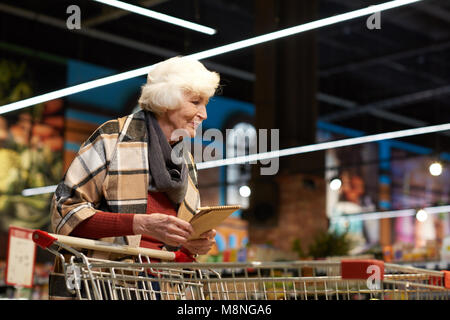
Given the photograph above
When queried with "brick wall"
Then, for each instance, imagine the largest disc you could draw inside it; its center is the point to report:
(302, 213)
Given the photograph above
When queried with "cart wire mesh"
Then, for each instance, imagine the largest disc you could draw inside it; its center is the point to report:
(295, 280)
(140, 278)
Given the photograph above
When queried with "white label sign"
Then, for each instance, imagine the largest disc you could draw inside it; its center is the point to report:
(21, 257)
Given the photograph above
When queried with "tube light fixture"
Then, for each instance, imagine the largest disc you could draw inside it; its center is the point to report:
(208, 53)
(323, 146)
(41, 190)
(423, 213)
(158, 16)
(74, 89)
(301, 28)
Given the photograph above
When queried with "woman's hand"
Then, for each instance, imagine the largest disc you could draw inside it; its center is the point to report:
(203, 244)
(168, 229)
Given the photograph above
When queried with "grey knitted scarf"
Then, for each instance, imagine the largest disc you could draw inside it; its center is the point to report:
(165, 175)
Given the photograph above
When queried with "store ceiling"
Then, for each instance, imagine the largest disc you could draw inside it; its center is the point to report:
(375, 81)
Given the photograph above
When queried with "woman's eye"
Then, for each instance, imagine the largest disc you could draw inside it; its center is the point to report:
(195, 102)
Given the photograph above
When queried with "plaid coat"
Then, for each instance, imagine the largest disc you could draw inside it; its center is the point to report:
(110, 173)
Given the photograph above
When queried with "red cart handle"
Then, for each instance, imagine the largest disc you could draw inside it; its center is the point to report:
(184, 256)
(43, 239)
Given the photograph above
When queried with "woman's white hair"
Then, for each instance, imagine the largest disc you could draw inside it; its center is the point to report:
(169, 80)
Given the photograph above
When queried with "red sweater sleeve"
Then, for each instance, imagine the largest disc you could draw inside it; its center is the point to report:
(105, 224)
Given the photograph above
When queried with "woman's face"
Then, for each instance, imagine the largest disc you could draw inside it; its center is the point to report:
(189, 115)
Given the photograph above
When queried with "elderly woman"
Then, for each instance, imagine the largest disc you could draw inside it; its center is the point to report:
(123, 186)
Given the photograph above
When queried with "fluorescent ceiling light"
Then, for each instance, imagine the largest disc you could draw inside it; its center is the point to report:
(301, 28)
(390, 214)
(323, 146)
(158, 16)
(208, 53)
(40, 190)
(74, 89)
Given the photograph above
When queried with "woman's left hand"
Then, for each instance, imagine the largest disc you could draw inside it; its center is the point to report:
(203, 244)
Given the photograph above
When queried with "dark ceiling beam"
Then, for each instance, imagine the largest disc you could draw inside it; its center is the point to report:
(433, 11)
(113, 13)
(389, 103)
(232, 8)
(339, 45)
(97, 34)
(390, 116)
(388, 15)
(136, 45)
(348, 104)
(248, 76)
(358, 67)
(354, 66)
(389, 60)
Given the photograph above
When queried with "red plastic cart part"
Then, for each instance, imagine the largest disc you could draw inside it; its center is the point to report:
(43, 239)
(361, 269)
(181, 256)
(441, 281)
(446, 279)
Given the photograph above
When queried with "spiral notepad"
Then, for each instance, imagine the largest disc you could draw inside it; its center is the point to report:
(208, 218)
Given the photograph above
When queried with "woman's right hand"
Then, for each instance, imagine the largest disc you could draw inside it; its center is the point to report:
(168, 229)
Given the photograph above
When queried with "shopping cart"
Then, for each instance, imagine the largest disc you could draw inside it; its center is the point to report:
(144, 279)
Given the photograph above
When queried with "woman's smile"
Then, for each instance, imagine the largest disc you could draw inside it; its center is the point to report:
(196, 124)
(189, 116)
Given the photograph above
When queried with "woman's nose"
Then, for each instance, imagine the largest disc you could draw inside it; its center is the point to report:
(202, 112)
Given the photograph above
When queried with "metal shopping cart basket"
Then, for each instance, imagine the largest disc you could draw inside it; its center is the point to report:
(143, 279)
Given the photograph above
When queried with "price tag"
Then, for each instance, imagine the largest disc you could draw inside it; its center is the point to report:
(20, 259)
